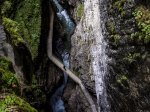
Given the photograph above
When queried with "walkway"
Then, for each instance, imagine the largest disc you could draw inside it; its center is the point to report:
(58, 63)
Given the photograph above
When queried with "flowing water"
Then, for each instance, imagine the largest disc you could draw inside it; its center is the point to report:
(92, 20)
(98, 53)
(56, 99)
(64, 18)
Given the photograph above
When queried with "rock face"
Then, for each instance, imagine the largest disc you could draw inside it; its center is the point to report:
(125, 27)
(2, 38)
(129, 68)
(16, 64)
(12, 78)
(128, 76)
(88, 54)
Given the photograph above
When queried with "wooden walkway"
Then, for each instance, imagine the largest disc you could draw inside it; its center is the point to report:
(58, 63)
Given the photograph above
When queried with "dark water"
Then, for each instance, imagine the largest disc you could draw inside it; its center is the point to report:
(56, 101)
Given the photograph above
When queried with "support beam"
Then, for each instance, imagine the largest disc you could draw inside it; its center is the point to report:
(58, 63)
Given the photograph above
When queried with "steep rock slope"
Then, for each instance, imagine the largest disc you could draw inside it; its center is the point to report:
(17, 75)
(127, 35)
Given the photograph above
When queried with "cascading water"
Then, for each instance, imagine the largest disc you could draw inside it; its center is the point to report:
(92, 25)
(99, 57)
(56, 99)
(64, 18)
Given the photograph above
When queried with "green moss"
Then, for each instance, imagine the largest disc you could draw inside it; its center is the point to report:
(121, 79)
(115, 38)
(5, 63)
(10, 101)
(14, 29)
(119, 4)
(132, 57)
(23, 22)
(111, 27)
(8, 79)
(80, 10)
(6, 7)
(142, 16)
(28, 15)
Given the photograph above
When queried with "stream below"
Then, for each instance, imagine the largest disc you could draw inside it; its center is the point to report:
(56, 101)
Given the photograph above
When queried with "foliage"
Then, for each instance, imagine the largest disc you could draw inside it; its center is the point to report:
(5, 63)
(121, 79)
(6, 7)
(12, 100)
(8, 78)
(116, 38)
(23, 20)
(142, 16)
(28, 15)
(80, 10)
(111, 27)
(132, 57)
(118, 4)
(14, 29)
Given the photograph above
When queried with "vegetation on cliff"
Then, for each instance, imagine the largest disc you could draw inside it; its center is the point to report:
(142, 16)
(10, 102)
(9, 81)
(128, 29)
(22, 23)
(22, 19)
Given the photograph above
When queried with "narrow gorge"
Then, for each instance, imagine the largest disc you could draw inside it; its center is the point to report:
(74, 56)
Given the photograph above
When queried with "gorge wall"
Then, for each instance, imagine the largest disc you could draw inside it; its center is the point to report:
(129, 44)
(128, 64)
(27, 75)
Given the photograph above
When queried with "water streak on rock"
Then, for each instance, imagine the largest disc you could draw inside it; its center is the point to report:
(98, 47)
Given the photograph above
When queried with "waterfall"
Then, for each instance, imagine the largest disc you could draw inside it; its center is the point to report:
(92, 26)
(99, 58)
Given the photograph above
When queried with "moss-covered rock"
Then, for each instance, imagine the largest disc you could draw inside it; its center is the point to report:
(142, 16)
(22, 22)
(10, 102)
(5, 63)
(6, 7)
(22, 19)
(14, 30)
(80, 10)
(8, 80)
(129, 51)
(28, 15)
